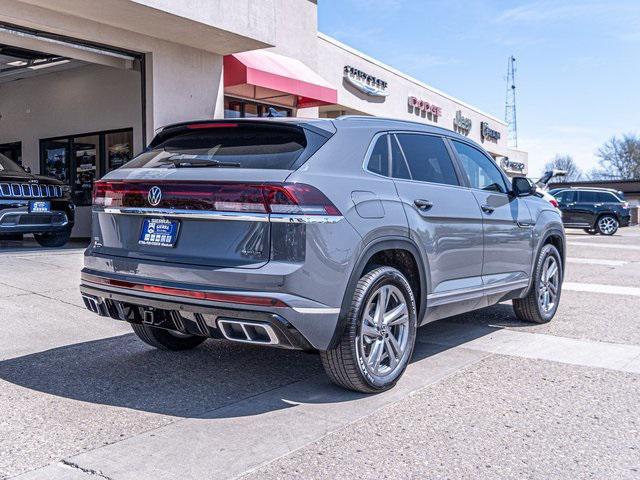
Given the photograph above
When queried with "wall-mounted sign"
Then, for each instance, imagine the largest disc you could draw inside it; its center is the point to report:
(488, 133)
(463, 124)
(366, 83)
(511, 166)
(424, 106)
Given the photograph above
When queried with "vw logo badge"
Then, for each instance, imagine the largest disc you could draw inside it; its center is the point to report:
(154, 196)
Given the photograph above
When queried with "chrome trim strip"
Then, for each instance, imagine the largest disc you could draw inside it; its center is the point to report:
(289, 218)
(474, 292)
(212, 215)
(194, 214)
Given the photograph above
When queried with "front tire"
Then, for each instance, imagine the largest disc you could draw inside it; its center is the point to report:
(608, 225)
(380, 334)
(165, 339)
(541, 303)
(53, 239)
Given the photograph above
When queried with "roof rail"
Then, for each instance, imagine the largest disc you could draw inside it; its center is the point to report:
(388, 119)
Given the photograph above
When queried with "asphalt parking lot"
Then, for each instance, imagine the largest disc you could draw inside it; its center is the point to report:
(486, 396)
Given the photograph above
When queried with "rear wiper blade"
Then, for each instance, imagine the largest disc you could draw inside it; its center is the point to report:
(187, 163)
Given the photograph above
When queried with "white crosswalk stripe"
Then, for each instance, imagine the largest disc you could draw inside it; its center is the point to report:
(597, 261)
(600, 288)
(604, 245)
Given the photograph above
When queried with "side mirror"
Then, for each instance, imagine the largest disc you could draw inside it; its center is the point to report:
(27, 169)
(522, 187)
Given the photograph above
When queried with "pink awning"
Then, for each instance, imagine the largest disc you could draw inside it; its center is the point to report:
(272, 76)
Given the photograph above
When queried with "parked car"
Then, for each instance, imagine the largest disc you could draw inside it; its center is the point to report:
(33, 204)
(340, 236)
(595, 210)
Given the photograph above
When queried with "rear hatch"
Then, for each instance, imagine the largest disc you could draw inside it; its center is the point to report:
(206, 193)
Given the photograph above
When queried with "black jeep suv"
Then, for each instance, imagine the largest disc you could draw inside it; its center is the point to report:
(595, 210)
(33, 204)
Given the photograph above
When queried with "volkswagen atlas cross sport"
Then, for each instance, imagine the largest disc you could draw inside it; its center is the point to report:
(338, 236)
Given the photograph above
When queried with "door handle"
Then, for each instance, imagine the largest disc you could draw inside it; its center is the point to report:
(423, 204)
(487, 209)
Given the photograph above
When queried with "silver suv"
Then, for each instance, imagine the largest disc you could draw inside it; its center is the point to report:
(339, 236)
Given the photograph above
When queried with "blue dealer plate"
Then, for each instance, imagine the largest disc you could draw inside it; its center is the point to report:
(36, 206)
(159, 232)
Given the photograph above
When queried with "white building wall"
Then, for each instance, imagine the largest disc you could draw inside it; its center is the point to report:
(87, 99)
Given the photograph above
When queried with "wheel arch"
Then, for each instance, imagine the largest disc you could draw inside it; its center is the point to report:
(369, 252)
(554, 236)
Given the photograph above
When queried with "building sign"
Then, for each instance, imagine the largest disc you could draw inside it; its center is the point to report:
(488, 133)
(366, 83)
(511, 166)
(462, 124)
(424, 106)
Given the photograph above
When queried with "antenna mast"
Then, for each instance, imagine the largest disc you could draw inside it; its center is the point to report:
(510, 103)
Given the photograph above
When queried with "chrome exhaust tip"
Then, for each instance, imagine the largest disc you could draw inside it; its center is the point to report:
(248, 332)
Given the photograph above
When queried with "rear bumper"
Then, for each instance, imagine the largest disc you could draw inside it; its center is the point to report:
(298, 323)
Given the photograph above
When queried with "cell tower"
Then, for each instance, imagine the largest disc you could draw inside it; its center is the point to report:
(510, 103)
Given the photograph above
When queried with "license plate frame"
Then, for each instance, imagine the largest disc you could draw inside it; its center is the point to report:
(159, 232)
(39, 206)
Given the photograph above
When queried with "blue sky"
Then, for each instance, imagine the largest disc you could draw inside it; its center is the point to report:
(578, 62)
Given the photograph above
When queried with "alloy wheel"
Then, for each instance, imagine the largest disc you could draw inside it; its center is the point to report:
(608, 225)
(549, 285)
(384, 334)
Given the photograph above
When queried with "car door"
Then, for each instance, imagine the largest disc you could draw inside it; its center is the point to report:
(567, 205)
(584, 210)
(443, 216)
(507, 222)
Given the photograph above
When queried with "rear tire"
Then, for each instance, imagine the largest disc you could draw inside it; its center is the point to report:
(53, 239)
(541, 303)
(165, 339)
(607, 225)
(591, 231)
(380, 334)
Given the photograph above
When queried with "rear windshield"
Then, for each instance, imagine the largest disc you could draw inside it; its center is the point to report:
(234, 146)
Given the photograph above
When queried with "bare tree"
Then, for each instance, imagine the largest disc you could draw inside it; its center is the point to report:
(566, 163)
(620, 157)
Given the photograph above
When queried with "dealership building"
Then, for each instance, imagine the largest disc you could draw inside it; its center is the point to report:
(84, 85)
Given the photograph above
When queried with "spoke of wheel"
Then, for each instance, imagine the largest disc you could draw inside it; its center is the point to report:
(369, 331)
(397, 315)
(546, 301)
(394, 343)
(551, 271)
(393, 358)
(553, 288)
(375, 357)
(545, 268)
(381, 306)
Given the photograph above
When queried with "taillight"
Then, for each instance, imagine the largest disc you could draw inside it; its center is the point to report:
(554, 202)
(625, 204)
(281, 198)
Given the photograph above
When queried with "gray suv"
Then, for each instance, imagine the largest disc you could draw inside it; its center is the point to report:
(339, 236)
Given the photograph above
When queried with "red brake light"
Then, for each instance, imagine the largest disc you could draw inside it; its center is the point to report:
(283, 198)
(554, 202)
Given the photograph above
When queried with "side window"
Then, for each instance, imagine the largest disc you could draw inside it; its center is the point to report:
(605, 197)
(588, 197)
(399, 166)
(483, 173)
(567, 196)
(379, 159)
(428, 158)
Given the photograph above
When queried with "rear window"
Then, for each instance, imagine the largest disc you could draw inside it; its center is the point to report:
(234, 146)
(597, 197)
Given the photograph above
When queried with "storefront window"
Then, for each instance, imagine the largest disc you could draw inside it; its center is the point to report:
(236, 108)
(79, 160)
(55, 159)
(118, 148)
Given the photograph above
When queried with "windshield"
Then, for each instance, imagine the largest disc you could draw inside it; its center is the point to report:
(240, 146)
(9, 166)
